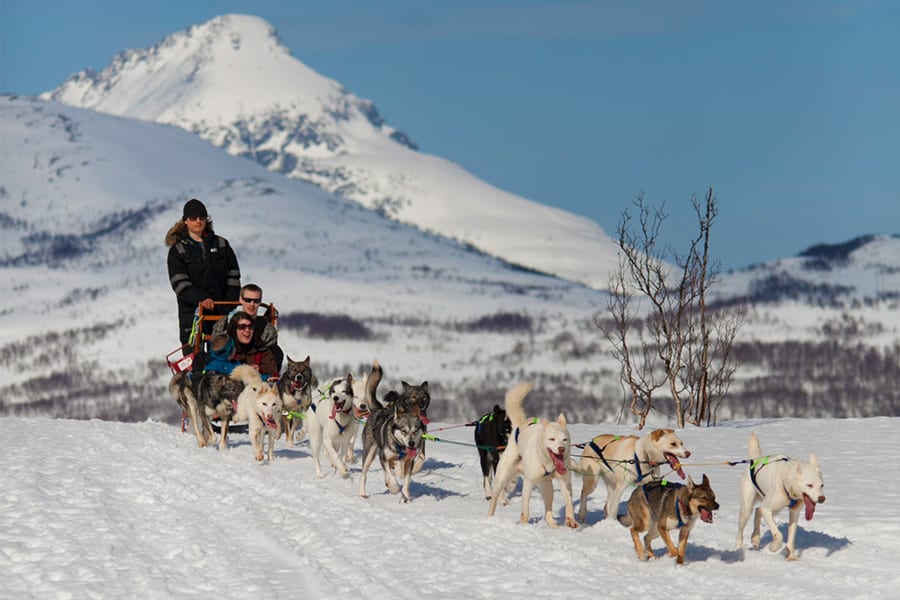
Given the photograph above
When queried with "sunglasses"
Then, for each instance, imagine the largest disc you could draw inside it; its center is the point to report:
(251, 300)
(245, 327)
(195, 218)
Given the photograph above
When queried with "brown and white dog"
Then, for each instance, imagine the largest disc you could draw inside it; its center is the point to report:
(539, 451)
(776, 482)
(626, 460)
(296, 388)
(658, 507)
(259, 405)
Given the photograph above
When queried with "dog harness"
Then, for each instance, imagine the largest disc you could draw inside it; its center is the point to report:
(758, 464)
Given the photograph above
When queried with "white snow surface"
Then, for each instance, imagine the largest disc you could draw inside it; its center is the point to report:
(95, 509)
(231, 82)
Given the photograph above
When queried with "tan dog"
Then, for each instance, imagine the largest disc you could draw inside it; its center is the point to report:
(777, 482)
(539, 451)
(259, 405)
(626, 460)
(659, 507)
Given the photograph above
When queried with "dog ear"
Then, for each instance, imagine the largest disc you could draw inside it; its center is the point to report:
(813, 461)
(705, 481)
(405, 385)
(561, 419)
(425, 386)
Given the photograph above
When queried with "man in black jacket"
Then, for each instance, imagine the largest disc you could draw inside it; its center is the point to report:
(202, 266)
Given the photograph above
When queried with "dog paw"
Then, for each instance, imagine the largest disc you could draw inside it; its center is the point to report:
(775, 546)
(570, 522)
(259, 456)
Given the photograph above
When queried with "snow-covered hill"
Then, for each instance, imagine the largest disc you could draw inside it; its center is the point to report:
(231, 82)
(136, 510)
(87, 198)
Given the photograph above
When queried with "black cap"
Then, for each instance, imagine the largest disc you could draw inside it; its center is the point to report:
(194, 208)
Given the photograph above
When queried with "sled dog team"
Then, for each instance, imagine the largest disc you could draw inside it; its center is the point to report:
(510, 445)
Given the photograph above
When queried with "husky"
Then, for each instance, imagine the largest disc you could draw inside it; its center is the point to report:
(295, 387)
(626, 460)
(208, 395)
(363, 394)
(775, 482)
(394, 434)
(538, 450)
(328, 422)
(491, 435)
(259, 405)
(414, 399)
(658, 507)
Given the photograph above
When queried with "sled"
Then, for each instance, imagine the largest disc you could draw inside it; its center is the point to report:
(180, 360)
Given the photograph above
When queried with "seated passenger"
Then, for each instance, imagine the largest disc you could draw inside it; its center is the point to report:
(265, 334)
(238, 346)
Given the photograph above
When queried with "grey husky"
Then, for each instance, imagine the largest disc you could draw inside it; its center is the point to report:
(208, 395)
(295, 388)
(393, 434)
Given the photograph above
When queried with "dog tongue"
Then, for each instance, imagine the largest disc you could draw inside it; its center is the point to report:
(810, 507)
(706, 515)
(673, 462)
(270, 422)
(410, 451)
(559, 462)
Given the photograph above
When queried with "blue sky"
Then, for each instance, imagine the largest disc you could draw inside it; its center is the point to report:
(789, 109)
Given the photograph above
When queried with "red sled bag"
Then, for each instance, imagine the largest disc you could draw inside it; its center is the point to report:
(178, 361)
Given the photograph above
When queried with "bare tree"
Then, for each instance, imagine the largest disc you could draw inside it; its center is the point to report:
(660, 325)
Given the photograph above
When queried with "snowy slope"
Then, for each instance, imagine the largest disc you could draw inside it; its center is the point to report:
(115, 510)
(84, 213)
(232, 83)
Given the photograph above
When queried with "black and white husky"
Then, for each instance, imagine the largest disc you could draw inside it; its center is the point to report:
(393, 434)
(328, 423)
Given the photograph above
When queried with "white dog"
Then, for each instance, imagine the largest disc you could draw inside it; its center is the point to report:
(775, 482)
(626, 460)
(363, 393)
(328, 422)
(538, 450)
(259, 405)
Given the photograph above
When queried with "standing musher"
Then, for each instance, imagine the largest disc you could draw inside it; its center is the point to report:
(203, 268)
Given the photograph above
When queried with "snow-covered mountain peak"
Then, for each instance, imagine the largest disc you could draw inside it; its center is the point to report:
(224, 70)
(232, 83)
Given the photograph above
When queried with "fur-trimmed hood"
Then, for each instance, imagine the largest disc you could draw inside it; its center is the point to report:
(180, 230)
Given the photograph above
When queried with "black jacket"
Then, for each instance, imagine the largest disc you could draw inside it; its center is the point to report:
(199, 271)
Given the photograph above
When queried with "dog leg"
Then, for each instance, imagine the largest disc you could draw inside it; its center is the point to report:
(682, 542)
(589, 476)
(408, 472)
(566, 489)
(367, 462)
(336, 461)
(612, 500)
(223, 436)
(527, 487)
(506, 472)
(747, 502)
(638, 546)
(315, 441)
(257, 438)
(777, 539)
(664, 534)
(793, 518)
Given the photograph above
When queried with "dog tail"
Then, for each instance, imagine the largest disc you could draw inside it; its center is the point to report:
(624, 520)
(372, 384)
(755, 451)
(515, 399)
(180, 389)
(246, 374)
